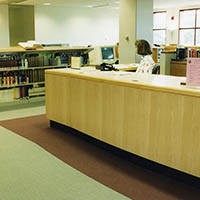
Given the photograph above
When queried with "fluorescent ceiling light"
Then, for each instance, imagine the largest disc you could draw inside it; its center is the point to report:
(46, 4)
(98, 6)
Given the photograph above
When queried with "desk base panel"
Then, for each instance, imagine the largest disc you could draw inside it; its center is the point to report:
(132, 158)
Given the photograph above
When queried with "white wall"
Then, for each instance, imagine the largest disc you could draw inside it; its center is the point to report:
(172, 26)
(76, 26)
(127, 31)
(145, 20)
(4, 24)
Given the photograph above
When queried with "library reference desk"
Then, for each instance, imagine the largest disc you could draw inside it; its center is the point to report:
(152, 116)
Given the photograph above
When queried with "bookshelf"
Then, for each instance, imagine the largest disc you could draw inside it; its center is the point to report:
(156, 52)
(22, 71)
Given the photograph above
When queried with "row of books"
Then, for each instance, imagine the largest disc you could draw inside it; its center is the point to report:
(38, 61)
(36, 91)
(6, 63)
(22, 77)
(193, 53)
(36, 75)
(13, 80)
(13, 94)
(35, 60)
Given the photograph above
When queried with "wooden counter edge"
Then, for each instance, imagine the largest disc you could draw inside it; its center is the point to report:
(186, 92)
(178, 62)
(18, 49)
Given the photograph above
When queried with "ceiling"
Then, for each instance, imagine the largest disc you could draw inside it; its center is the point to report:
(80, 3)
(158, 4)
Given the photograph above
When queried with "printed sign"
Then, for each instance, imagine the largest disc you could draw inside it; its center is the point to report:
(193, 72)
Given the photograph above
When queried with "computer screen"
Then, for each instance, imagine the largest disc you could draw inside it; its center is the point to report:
(107, 53)
(102, 54)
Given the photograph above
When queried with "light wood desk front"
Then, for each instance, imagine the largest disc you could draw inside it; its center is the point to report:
(178, 68)
(152, 116)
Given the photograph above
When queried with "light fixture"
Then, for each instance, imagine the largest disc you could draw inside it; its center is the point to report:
(46, 4)
(99, 6)
(116, 2)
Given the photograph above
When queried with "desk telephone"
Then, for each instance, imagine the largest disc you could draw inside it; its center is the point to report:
(107, 67)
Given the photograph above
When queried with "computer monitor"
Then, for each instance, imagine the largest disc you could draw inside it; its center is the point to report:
(102, 54)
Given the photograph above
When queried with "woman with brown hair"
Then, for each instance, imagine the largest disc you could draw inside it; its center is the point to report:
(143, 48)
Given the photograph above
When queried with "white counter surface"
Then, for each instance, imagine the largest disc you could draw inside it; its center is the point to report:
(154, 80)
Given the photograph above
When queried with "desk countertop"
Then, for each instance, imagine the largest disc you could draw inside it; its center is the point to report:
(165, 83)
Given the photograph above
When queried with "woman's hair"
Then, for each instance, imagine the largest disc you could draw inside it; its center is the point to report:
(143, 47)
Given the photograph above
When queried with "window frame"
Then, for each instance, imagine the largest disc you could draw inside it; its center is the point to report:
(160, 29)
(189, 28)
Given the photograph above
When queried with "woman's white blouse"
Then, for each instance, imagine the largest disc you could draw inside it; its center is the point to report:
(146, 65)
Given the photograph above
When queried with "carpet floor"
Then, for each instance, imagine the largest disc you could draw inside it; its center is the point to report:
(114, 171)
(28, 172)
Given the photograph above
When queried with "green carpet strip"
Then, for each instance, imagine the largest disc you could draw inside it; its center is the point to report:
(28, 172)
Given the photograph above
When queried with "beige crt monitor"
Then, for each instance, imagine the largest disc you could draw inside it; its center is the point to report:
(102, 54)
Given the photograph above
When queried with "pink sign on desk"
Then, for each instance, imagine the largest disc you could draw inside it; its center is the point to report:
(193, 72)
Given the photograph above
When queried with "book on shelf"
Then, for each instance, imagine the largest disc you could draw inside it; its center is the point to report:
(13, 79)
(20, 92)
(193, 53)
(6, 95)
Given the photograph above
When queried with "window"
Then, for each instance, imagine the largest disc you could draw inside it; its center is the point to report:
(189, 27)
(159, 27)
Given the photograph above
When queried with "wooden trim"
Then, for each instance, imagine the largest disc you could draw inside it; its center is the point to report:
(179, 62)
(168, 51)
(189, 9)
(159, 12)
(44, 49)
(161, 29)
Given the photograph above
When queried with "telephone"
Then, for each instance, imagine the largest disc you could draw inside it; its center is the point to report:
(107, 67)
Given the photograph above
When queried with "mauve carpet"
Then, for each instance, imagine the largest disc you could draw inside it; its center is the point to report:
(114, 171)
